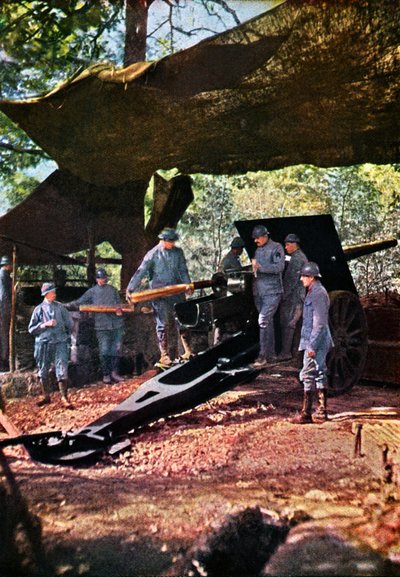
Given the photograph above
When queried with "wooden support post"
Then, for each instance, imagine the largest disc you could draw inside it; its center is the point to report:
(13, 310)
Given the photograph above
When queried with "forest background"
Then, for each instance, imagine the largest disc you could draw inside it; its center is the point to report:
(42, 43)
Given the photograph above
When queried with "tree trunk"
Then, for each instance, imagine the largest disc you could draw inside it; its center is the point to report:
(136, 15)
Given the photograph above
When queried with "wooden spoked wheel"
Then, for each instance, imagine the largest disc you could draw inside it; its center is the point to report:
(348, 325)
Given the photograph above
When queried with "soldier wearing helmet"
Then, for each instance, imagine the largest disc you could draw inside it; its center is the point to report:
(291, 307)
(109, 326)
(51, 326)
(165, 265)
(5, 310)
(231, 261)
(268, 265)
(316, 342)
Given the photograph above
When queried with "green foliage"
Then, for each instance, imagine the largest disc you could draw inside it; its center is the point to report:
(207, 225)
(46, 41)
(363, 200)
(18, 187)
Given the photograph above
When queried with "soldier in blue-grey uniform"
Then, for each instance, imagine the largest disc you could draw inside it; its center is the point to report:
(165, 265)
(291, 307)
(316, 342)
(268, 265)
(109, 327)
(5, 311)
(51, 326)
(231, 261)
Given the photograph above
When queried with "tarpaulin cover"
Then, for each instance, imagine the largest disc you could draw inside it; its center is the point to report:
(308, 82)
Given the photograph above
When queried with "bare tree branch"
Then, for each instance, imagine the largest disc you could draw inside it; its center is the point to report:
(32, 151)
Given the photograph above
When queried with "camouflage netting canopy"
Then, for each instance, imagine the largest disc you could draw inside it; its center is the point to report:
(64, 215)
(308, 82)
(46, 226)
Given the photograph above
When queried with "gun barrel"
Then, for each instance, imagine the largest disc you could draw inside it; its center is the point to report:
(357, 250)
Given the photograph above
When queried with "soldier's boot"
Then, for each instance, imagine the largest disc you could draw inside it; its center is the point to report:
(45, 400)
(321, 414)
(261, 361)
(286, 352)
(187, 349)
(106, 369)
(63, 387)
(164, 358)
(305, 415)
(115, 376)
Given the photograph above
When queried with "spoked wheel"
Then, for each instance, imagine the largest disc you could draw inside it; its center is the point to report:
(348, 325)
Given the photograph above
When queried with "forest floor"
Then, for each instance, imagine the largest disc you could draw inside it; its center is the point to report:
(136, 513)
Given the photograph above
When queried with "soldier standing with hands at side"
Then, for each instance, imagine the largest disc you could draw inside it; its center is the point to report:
(316, 342)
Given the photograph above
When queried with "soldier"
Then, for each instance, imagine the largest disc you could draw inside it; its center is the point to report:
(51, 326)
(231, 261)
(291, 307)
(316, 342)
(5, 311)
(164, 265)
(268, 265)
(108, 326)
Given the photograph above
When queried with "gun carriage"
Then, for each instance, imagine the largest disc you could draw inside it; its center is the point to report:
(225, 365)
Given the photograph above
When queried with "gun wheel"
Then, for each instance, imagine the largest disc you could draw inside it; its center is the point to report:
(348, 325)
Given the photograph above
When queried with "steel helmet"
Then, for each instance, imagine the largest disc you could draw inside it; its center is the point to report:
(47, 287)
(5, 260)
(292, 238)
(237, 242)
(310, 269)
(101, 273)
(169, 234)
(260, 230)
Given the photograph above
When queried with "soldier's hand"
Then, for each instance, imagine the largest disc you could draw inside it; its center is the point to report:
(189, 292)
(311, 354)
(50, 323)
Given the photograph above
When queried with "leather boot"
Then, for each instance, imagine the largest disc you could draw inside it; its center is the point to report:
(106, 362)
(286, 352)
(163, 345)
(305, 414)
(187, 350)
(62, 386)
(45, 400)
(115, 376)
(321, 413)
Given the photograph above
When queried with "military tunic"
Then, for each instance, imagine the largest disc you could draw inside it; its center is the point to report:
(267, 291)
(51, 343)
(231, 263)
(291, 307)
(108, 326)
(162, 267)
(315, 336)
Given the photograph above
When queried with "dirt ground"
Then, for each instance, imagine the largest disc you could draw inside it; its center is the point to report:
(136, 513)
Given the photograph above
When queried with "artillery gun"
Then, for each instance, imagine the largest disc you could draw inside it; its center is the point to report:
(225, 365)
(321, 243)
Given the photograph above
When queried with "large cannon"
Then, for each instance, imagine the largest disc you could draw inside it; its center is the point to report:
(225, 365)
(321, 243)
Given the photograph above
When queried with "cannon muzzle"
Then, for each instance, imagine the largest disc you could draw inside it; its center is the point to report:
(357, 250)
